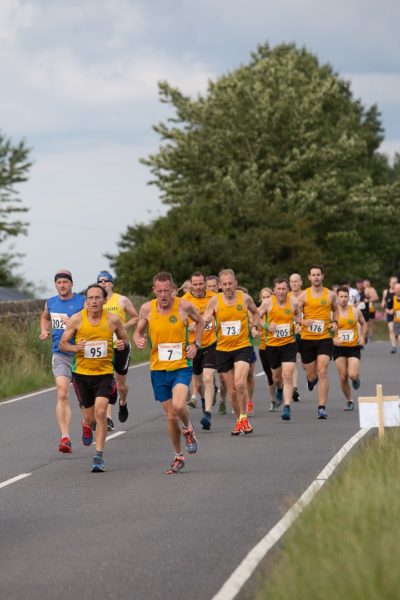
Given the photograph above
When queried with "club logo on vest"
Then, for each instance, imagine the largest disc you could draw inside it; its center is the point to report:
(287, 311)
(173, 319)
(239, 307)
(323, 302)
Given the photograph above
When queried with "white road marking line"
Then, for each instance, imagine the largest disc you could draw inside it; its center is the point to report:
(259, 374)
(14, 479)
(111, 436)
(243, 572)
(51, 389)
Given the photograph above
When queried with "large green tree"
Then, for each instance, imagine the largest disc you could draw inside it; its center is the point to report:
(276, 167)
(14, 168)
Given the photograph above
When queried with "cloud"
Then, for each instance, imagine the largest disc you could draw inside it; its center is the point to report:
(380, 88)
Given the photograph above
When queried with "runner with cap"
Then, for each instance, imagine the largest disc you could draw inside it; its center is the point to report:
(55, 316)
(121, 306)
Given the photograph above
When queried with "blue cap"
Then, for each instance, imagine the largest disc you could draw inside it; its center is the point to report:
(105, 275)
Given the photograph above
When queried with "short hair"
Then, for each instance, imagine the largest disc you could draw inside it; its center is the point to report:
(99, 287)
(197, 274)
(227, 272)
(345, 282)
(163, 276)
(343, 289)
(211, 277)
(316, 266)
(281, 280)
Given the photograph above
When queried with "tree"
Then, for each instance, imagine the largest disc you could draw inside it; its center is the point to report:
(275, 168)
(14, 167)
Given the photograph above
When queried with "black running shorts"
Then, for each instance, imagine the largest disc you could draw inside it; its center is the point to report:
(206, 358)
(310, 349)
(90, 387)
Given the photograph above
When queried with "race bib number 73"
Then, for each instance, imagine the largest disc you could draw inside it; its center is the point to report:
(230, 327)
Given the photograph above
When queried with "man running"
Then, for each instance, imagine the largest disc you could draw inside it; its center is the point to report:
(387, 304)
(296, 285)
(373, 298)
(234, 342)
(93, 330)
(204, 363)
(121, 306)
(396, 312)
(265, 294)
(347, 344)
(281, 344)
(212, 285)
(55, 315)
(166, 319)
(317, 304)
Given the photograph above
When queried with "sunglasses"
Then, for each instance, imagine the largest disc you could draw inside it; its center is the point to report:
(103, 281)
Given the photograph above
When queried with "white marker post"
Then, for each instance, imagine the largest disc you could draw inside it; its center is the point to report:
(379, 411)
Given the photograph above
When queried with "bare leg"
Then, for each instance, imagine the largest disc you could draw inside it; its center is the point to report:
(208, 380)
(241, 370)
(341, 365)
(63, 407)
(323, 382)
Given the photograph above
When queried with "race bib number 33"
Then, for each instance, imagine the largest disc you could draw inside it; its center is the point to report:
(230, 327)
(346, 335)
(170, 352)
(97, 349)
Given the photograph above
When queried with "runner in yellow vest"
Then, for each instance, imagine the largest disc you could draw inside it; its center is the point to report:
(92, 367)
(234, 342)
(296, 284)
(396, 313)
(319, 323)
(121, 306)
(347, 344)
(166, 319)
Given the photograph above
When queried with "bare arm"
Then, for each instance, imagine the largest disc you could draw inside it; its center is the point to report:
(70, 331)
(131, 311)
(140, 336)
(117, 326)
(364, 327)
(210, 311)
(335, 312)
(44, 324)
(195, 316)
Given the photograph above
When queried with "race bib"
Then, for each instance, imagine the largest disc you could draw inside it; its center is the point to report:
(230, 327)
(170, 352)
(57, 320)
(346, 335)
(97, 349)
(282, 331)
(316, 327)
(397, 314)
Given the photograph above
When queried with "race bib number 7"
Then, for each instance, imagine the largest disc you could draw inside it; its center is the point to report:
(57, 320)
(170, 352)
(97, 349)
(230, 327)
(316, 327)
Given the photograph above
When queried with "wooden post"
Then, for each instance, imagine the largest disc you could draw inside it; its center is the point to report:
(381, 426)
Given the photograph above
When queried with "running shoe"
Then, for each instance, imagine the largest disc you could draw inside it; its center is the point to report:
(203, 405)
(273, 407)
(311, 384)
(356, 384)
(123, 412)
(295, 396)
(98, 465)
(285, 416)
(65, 445)
(177, 465)
(193, 401)
(322, 414)
(87, 434)
(205, 422)
(349, 405)
(110, 424)
(246, 427)
(238, 429)
(250, 407)
(222, 408)
(278, 397)
(393, 350)
(190, 439)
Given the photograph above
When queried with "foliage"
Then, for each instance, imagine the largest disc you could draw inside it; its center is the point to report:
(275, 168)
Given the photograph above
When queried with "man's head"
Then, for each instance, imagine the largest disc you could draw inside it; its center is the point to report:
(106, 281)
(316, 275)
(212, 283)
(281, 288)
(228, 283)
(397, 289)
(295, 282)
(198, 284)
(359, 284)
(163, 288)
(342, 294)
(392, 282)
(63, 282)
(96, 297)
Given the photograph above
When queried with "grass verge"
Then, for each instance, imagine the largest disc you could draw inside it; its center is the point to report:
(345, 544)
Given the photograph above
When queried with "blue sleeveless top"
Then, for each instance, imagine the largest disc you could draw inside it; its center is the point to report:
(57, 309)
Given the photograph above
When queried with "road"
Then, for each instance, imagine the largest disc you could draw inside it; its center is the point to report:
(134, 532)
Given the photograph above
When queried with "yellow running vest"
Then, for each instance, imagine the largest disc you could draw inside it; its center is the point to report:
(209, 336)
(396, 309)
(97, 356)
(282, 317)
(113, 306)
(233, 330)
(263, 333)
(168, 338)
(348, 329)
(317, 310)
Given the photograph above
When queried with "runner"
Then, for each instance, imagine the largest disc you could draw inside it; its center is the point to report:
(212, 284)
(121, 306)
(166, 319)
(266, 293)
(281, 344)
(56, 314)
(204, 363)
(354, 297)
(363, 300)
(234, 342)
(91, 332)
(317, 303)
(347, 344)
(250, 376)
(387, 304)
(296, 284)
(373, 298)
(396, 312)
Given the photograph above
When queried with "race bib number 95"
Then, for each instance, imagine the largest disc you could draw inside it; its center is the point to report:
(97, 349)
(170, 352)
(230, 327)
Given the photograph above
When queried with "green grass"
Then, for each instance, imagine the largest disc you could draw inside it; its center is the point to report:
(346, 543)
(25, 361)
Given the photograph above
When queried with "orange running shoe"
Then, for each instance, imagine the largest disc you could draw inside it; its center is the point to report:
(250, 407)
(65, 446)
(238, 429)
(247, 428)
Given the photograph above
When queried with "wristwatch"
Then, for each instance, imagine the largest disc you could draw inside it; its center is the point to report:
(197, 344)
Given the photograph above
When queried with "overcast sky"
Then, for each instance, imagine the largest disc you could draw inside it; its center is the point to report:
(79, 83)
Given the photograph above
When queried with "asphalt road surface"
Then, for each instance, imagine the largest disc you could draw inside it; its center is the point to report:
(135, 532)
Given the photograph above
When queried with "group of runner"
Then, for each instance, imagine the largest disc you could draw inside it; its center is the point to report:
(209, 331)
